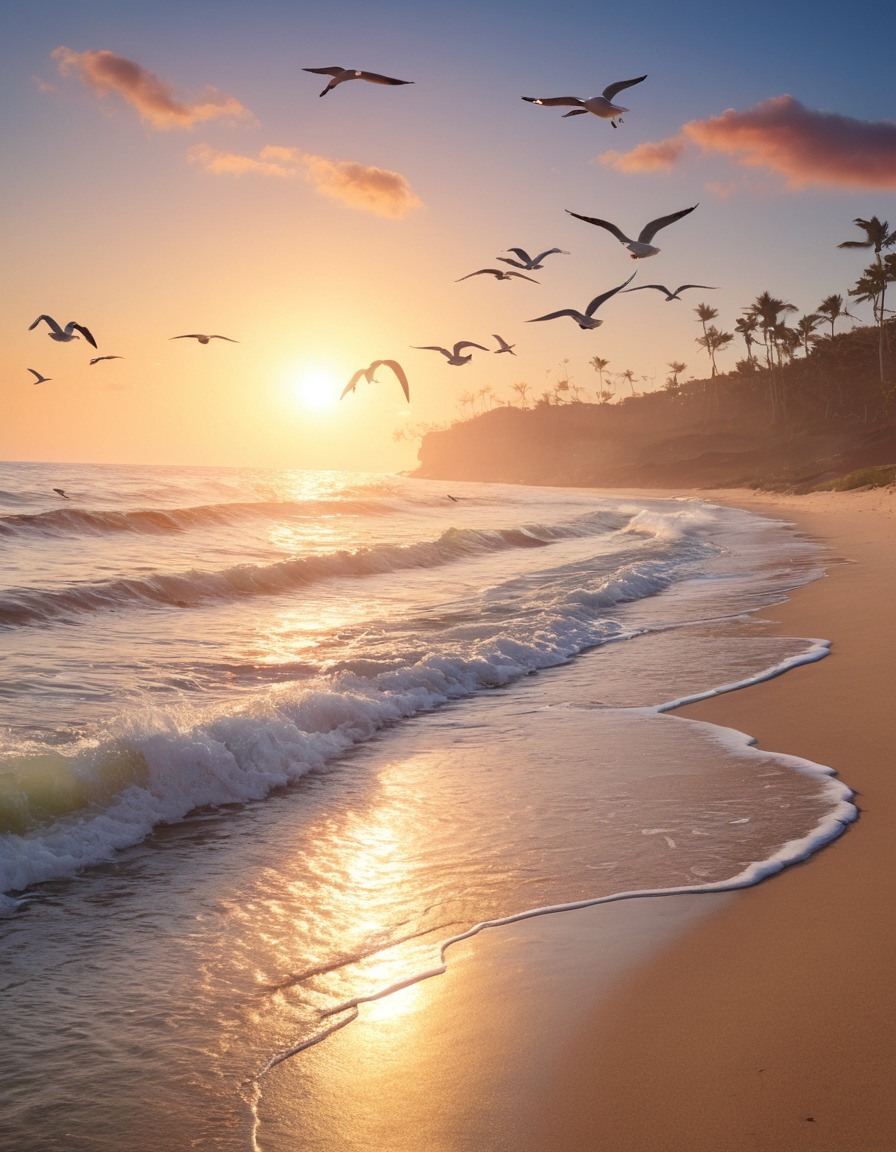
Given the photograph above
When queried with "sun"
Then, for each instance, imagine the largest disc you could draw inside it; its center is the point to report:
(314, 388)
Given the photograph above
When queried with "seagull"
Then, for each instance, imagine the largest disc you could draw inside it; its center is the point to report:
(530, 263)
(339, 74)
(498, 273)
(370, 371)
(602, 105)
(38, 378)
(504, 346)
(671, 295)
(641, 247)
(586, 319)
(97, 359)
(203, 339)
(69, 332)
(61, 493)
(454, 357)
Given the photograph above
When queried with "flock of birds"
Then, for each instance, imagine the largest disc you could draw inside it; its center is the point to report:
(521, 262)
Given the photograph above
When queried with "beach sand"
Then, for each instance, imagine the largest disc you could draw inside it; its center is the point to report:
(772, 1024)
(762, 1019)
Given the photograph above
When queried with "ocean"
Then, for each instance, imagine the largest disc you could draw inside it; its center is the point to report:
(271, 740)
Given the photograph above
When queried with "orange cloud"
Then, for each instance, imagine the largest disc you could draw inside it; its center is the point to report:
(104, 72)
(784, 136)
(358, 185)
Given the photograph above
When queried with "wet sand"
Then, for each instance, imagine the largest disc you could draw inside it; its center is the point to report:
(758, 1020)
(772, 1024)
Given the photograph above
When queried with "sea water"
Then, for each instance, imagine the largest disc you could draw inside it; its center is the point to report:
(270, 740)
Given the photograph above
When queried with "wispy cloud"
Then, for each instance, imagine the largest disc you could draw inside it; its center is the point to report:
(103, 73)
(783, 136)
(358, 185)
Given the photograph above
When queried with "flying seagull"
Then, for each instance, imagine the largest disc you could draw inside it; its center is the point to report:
(641, 247)
(586, 319)
(69, 332)
(38, 378)
(669, 294)
(530, 263)
(498, 273)
(504, 346)
(97, 359)
(454, 357)
(61, 493)
(370, 371)
(339, 74)
(602, 105)
(202, 338)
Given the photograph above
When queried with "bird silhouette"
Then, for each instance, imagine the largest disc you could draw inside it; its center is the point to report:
(69, 332)
(587, 318)
(641, 247)
(602, 105)
(341, 74)
(454, 357)
(370, 371)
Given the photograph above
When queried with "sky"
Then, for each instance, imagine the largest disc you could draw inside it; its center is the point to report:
(171, 169)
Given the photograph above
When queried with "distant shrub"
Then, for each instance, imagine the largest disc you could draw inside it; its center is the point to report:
(879, 477)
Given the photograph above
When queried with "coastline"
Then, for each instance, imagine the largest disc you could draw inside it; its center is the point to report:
(758, 1019)
(770, 1024)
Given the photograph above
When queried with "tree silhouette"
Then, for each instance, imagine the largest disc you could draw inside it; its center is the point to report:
(831, 309)
(768, 310)
(877, 236)
(805, 327)
(521, 390)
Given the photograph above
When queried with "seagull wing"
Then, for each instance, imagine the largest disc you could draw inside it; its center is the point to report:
(461, 344)
(659, 288)
(522, 277)
(97, 359)
(557, 101)
(482, 272)
(376, 78)
(617, 232)
(576, 112)
(550, 252)
(432, 348)
(333, 70)
(681, 287)
(515, 263)
(650, 230)
(577, 316)
(40, 378)
(399, 372)
(84, 332)
(611, 89)
(49, 319)
(189, 336)
(598, 300)
(523, 255)
(350, 387)
(224, 338)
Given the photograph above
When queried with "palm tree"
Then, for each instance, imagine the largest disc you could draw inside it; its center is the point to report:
(599, 365)
(768, 309)
(521, 389)
(714, 341)
(805, 326)
(746, 326)
(676, 367)
(877, 236)
(629, 376)
(831, 308)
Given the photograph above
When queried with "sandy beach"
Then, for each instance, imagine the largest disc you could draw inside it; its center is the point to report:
(757, 1020)
(770, 1025)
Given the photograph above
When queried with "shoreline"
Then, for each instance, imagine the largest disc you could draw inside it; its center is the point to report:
(751, 1019)
(770, 1024)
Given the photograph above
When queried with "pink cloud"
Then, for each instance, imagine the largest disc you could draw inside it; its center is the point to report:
(104, 72)
(783, 136)
(358, 185)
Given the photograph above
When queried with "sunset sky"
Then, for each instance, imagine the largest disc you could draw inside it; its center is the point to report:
(169, 168)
